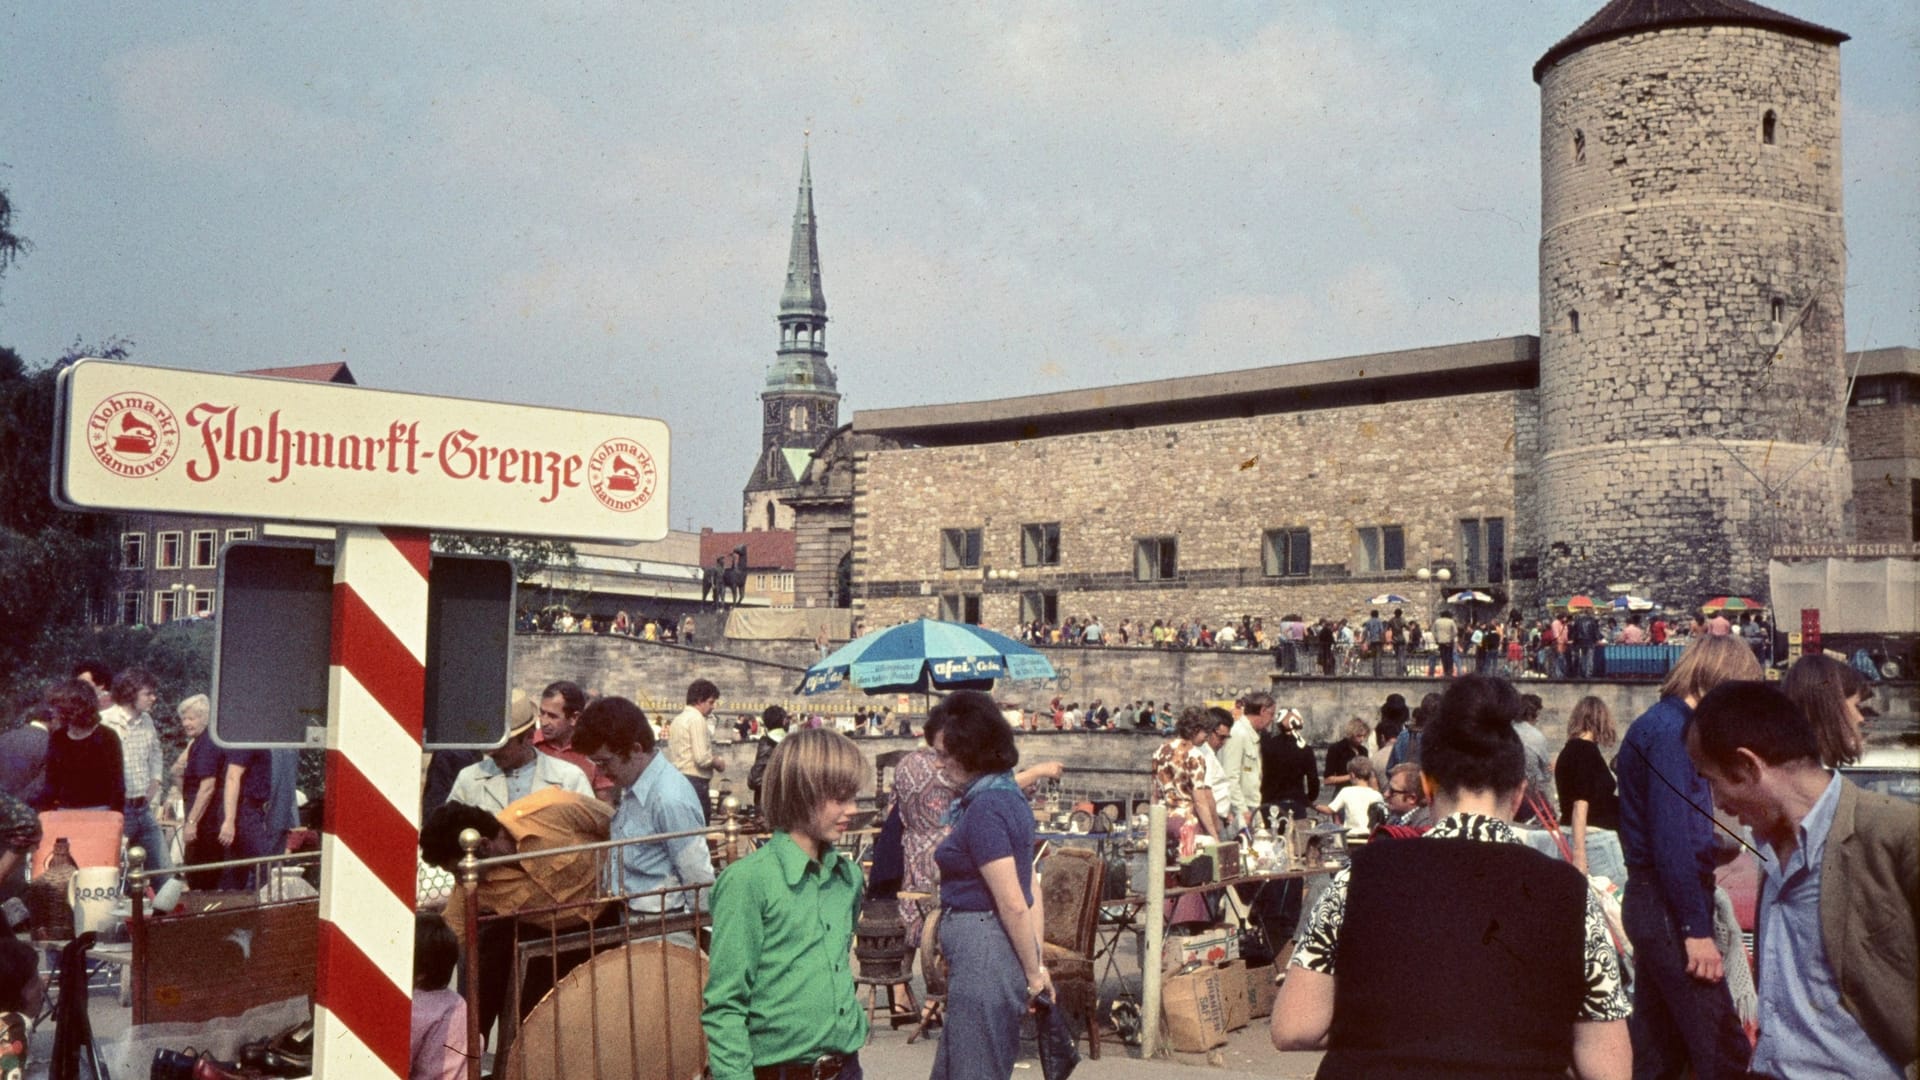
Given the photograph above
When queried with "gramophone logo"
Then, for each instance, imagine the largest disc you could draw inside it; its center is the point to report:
(622, 475)
(133, 435)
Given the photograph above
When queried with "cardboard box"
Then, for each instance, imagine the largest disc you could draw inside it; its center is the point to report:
(1260, 991)
(1233, 987)
(1212, 947)
(1195, 1011)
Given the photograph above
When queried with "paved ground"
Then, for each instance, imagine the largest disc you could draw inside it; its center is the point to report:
(1248, 1056)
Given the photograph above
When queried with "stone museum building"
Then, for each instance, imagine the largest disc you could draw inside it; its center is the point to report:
(1686, 408)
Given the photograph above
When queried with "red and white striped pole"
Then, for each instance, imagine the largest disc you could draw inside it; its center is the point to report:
(375, 701)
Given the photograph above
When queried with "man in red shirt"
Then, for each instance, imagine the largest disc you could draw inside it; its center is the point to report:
(560, 705)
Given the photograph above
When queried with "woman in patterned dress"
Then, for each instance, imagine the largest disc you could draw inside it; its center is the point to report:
(1516, 937)
(923, 795)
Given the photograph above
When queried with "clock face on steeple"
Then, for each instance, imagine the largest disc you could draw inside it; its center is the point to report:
(773, 412)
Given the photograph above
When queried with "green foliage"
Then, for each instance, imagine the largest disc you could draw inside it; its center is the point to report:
(179, 654)
(55, 565)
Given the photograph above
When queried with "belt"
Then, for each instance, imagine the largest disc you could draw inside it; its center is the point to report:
(824, 1067)
(137, 804)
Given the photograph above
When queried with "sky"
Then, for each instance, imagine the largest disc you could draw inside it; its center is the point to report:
(587, 203)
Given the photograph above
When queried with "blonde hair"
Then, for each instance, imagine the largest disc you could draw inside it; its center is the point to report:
(1356, 728)
(1708, 662)
(197, 701)
(1592, 715)
(1360, 769)
(808, 768)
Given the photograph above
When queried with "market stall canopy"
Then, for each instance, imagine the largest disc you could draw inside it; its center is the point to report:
(925, 656)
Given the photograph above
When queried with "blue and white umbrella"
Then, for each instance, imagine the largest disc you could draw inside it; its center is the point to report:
(925, 656)
(1469, 596)
(1388, 598)
(1630, 603)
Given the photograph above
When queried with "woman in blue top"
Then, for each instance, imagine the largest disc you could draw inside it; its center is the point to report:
(989, 928)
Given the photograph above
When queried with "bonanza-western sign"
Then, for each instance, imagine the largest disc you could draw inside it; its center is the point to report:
(158, 439)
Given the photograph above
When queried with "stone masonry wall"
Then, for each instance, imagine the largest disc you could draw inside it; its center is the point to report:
(1215, 487)
(1884, 442)
(1692, 322)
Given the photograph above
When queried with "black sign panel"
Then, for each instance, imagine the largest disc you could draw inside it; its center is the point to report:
(469, 651)
(273, 639)
(273, 631)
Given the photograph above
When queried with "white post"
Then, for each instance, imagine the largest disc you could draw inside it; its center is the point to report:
(375, 702)
(1156, 930)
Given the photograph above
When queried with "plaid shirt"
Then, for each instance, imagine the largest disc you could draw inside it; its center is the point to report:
(141, 756)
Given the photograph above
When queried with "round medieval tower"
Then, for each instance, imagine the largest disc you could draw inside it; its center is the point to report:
(1692, 384)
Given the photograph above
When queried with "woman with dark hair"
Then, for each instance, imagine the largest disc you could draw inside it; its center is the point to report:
(1544, 979)
(773, 721)
(989, 928)
(1831, 693)
(84, 767)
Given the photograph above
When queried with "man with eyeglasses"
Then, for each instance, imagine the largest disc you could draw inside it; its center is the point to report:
(1407, 800)
(1216, 776)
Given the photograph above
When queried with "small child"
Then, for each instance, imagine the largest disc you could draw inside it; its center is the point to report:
(1356, 801)
(439, 1013)
(22, 991)
(780, 998)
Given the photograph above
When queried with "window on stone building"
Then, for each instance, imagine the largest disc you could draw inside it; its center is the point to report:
(1040, 544)
(1778, 310)
(959, 549)
(166, 606)
(234, 536)
(205, 547)
(1040, 604)
(1573, 320)
(201, 601)
(770, 517)
(1483, 549)
(1383, 548)
(1579, 147)
(1156, 558)
(1869, 392)
(1769, 125)
(1286, 553)
(130, 607)
(960, 607)
(133, 551)
(168, 555)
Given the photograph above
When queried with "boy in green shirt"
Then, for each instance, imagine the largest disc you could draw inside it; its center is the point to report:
(780, 1002)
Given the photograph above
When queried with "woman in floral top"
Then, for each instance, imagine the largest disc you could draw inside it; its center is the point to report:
(1532, 982)
(1179, 774)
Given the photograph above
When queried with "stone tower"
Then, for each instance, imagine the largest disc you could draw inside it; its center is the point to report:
(799, 406)
(1692, 387)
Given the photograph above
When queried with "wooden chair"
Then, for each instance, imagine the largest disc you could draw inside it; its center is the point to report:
(1071, 882)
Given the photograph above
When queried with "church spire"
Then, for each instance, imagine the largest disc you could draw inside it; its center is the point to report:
(803, 295)
(800, 403)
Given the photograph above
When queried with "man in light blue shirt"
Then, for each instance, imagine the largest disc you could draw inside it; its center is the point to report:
(1829, 850)
(654, 798)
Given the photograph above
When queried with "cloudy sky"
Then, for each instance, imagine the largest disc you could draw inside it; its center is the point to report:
(587, 204)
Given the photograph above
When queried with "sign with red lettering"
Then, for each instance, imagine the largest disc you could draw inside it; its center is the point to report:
(158, 439)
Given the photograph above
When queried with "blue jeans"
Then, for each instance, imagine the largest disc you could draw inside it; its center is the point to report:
(141, 830)
(1677, 1021)
(986, 999)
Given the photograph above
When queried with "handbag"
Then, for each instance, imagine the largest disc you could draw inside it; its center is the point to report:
(1058, 1053)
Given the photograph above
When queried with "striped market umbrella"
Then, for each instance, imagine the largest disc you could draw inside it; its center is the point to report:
(925, 656)
(1578, 603)
(1388, 598)
(1469, 596)
(1731, 603)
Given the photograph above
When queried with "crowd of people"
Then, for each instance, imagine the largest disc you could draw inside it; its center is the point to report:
(562, 620)
(1434, 800)
(1557, 644)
